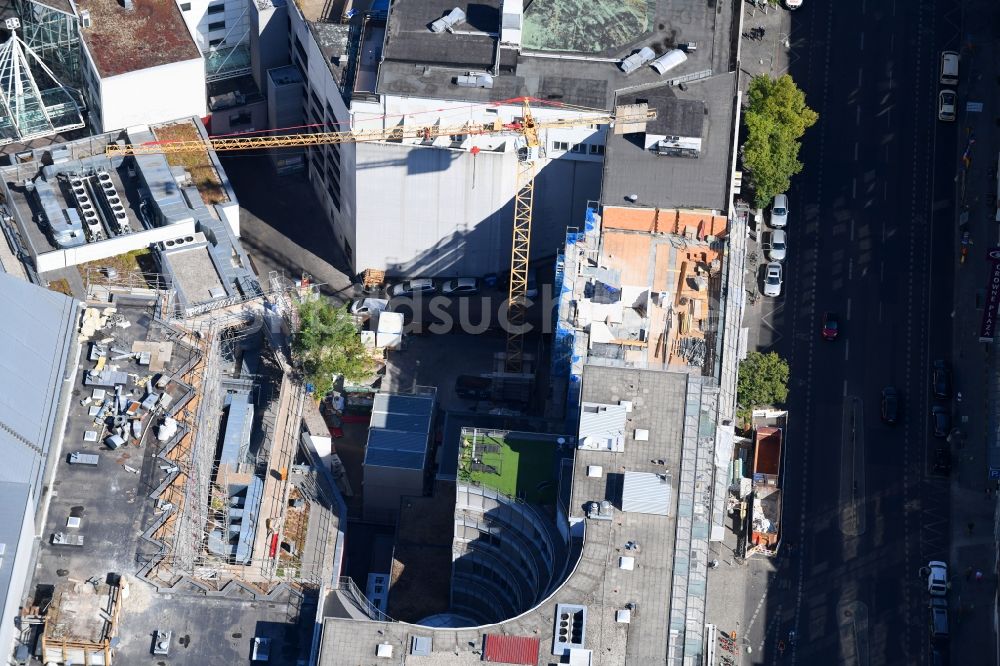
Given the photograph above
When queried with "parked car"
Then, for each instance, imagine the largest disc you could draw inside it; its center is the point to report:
(772, 279)
(776, 251)
(939, 619)
(831, 326)
(779, 211)
(411, 287)
(473, 387)
(940, 421)
(368, 306)
(949, 68)
(947, 99)
(793, 4)
(941, 379)
(460, 287)
(942, 460)
(937, 579)
(890, 405)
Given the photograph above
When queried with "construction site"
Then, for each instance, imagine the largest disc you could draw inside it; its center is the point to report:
(192, 424)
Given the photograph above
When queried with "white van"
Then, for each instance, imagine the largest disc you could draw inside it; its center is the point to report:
(949, 68)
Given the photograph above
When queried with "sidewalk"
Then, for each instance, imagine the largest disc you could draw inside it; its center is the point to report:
(973, 494)
(736, 600)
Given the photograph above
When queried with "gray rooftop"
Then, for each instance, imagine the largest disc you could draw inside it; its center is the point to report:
(660, 402)
(15, 504)
(675, 182)
(236, 439)
(36, 344)
(400, 428)
(418, 62)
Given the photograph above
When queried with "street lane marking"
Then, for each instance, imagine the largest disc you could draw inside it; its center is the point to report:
(857, 115)
(854, 188)
(847, 349)
(845, 388)
(852, 228)
(860, 75)
(848, 309)
(850, 268)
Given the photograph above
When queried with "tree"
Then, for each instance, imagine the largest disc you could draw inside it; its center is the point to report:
(763, 380)
(775, 119)
(328, 344)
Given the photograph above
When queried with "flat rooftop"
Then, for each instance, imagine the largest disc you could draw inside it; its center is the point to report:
(151, 34)
(591, 39)
(660, 402)
(661, 181)
(194, 273)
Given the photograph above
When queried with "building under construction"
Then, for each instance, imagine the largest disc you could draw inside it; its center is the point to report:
(187, 427)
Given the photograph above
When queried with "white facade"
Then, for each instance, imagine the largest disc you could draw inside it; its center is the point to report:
(146, 96)
(436, 210)
(215, 23)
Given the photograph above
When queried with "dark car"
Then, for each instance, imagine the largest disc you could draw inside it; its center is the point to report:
(940, 421)
(941, 379)
(942, 460)
(473, 387)
(890, 404)
(831, 326)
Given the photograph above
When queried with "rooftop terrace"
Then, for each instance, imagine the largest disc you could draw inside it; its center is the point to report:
(518, 465)
(151, 34)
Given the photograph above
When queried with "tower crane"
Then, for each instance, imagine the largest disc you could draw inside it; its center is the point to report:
(626, 119)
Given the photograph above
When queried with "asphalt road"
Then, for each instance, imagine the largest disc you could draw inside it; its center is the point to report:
(871, 238)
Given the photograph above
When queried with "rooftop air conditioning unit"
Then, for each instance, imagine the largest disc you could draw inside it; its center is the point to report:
(448, 22)
(668, 61)
(475, 80)
(85, 18)
(637, 60)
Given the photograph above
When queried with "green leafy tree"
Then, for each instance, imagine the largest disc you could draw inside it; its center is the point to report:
(328, 344)
(776, 118)
(763, 380)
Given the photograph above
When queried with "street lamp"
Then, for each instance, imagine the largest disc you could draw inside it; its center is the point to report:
(785, 40)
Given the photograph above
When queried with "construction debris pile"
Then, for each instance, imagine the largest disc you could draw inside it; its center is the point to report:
(121, 414)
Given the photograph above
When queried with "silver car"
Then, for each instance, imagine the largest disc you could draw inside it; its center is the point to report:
(460, 287)
(411, 287)
(772, 279)
(777, 249)
(779, 211)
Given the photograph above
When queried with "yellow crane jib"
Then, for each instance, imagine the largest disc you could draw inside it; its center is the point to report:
(626, 119)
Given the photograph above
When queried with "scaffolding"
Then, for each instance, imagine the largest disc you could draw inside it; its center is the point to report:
(35, 104)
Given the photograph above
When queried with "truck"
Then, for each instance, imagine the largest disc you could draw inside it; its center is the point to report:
(768, 465)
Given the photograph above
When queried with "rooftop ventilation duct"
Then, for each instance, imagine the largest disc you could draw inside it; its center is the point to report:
(475, 80)
(511, 23)
(668, 61)
(637, 60)
(448, 22)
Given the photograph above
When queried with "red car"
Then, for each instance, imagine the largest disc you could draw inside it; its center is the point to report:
(831, 326)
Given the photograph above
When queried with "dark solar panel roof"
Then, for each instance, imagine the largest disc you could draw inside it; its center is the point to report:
(400, 430)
